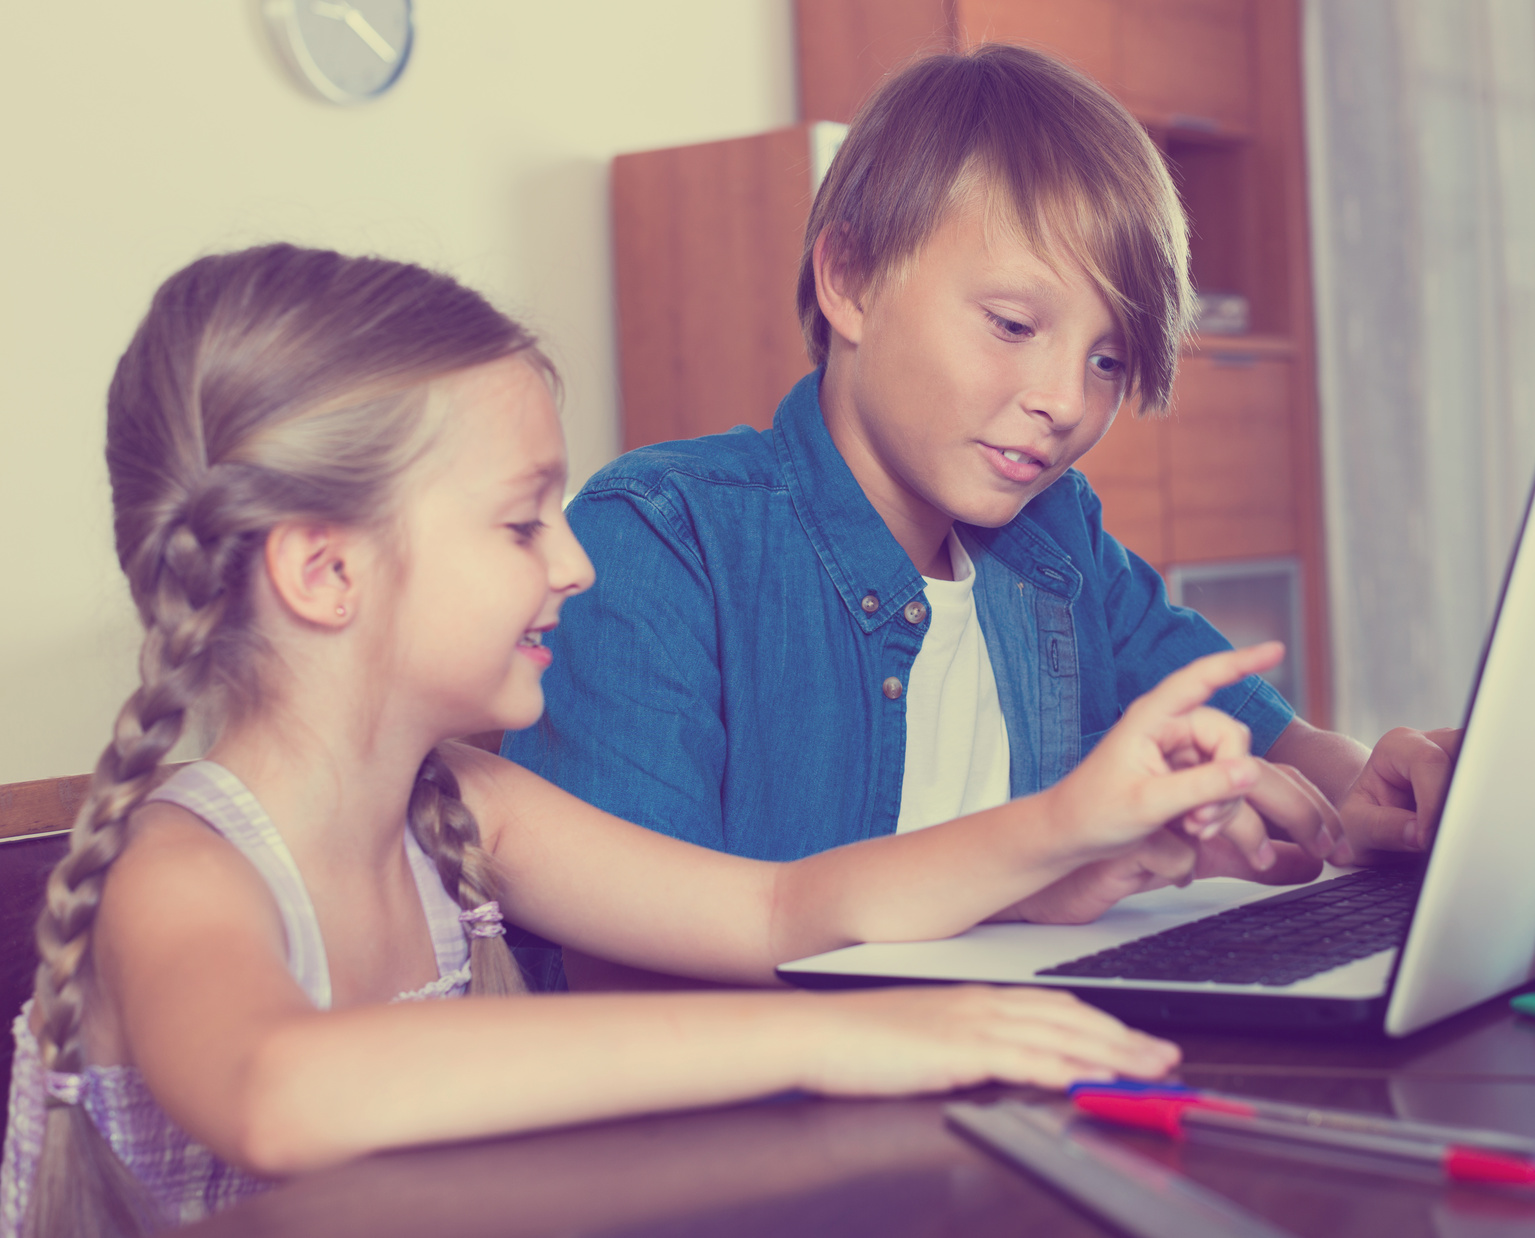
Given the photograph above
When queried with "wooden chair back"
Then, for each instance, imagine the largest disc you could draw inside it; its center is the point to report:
(41, 806)
(34, 833)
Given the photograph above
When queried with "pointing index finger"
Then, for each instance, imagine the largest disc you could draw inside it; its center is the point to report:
(1185, 689)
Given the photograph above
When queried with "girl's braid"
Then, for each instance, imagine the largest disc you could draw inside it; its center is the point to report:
(183, 609)
(449, 834)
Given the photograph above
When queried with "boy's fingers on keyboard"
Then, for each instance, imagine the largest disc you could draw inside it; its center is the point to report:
(1244, 832)
(1396, 799)
(1448, 738)
(1380, 827)
(1288, 802)
(1193, 685)
(1291, 866)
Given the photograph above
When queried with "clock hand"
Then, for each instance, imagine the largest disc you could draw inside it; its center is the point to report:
(359, 25)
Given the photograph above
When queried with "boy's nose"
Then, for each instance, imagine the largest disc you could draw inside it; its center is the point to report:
(1055, 391)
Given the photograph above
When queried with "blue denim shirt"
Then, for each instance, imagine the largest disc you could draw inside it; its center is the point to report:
(724, 679)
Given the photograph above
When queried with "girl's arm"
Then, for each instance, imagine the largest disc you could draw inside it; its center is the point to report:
(194, 991)
(190, 958)
(604, 887)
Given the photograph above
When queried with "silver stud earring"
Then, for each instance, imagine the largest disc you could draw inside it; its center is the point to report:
(341, 611)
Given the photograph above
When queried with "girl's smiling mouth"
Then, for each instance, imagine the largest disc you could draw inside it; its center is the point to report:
(532, 645)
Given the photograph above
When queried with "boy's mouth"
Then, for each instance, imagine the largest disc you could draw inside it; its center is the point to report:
(1014, 464)
(535, 638)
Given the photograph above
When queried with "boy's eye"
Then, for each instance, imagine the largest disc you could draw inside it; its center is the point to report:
(1009, 328)
(527, 531)
(1109, 367)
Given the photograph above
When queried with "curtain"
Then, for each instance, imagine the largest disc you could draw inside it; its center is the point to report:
(1421, 145)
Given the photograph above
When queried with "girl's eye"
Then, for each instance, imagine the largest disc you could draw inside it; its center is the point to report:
(1109, 367)
(1012, 330)
(526, 532)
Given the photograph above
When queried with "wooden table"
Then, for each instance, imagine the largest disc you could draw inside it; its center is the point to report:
(808, 1168)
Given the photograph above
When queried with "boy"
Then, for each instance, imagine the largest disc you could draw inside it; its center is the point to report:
(899, 605)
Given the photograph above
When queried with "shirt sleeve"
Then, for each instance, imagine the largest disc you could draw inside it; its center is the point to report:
(632, 719)
(1152, 638)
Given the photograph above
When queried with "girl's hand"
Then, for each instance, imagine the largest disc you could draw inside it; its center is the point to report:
(1171, 758)
(886, 1042)
(1167, 857)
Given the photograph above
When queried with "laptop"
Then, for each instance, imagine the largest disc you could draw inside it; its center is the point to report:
(1392, 948)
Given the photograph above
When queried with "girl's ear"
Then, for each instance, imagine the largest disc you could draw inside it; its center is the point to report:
(840, 298)
(311, 570)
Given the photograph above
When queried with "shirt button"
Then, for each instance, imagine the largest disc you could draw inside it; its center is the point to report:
(870, 603)
(915, 613)
(892, 688)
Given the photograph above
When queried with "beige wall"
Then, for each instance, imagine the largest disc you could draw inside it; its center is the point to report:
(139, 135)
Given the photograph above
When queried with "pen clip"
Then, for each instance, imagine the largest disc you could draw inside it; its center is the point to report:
(1131, 1087)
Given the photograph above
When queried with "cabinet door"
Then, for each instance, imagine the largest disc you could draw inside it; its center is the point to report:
(706, 249)
(847, 46)
(1230, 459)
(1188, 63)
(1126, 471)
(1084, 32)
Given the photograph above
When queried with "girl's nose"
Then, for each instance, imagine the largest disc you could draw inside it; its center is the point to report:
(570, 571)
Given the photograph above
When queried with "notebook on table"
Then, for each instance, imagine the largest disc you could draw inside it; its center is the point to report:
(1393, 948)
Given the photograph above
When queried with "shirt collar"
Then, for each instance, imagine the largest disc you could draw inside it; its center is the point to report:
(855, 546)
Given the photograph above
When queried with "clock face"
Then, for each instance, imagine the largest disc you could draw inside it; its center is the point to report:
(346, 51)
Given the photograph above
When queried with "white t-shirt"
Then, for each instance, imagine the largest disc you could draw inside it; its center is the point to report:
(956, 741)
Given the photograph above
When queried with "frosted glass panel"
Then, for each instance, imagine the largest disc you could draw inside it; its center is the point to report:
(1250, 601)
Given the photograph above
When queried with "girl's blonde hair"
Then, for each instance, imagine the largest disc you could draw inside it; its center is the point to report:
(265, 385)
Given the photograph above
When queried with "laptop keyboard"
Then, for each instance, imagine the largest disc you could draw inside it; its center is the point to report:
(1273, 941)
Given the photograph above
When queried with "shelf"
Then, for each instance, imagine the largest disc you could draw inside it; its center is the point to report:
(1167, 128)
(1214, 346)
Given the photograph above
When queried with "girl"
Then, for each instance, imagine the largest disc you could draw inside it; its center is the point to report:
(337, 492)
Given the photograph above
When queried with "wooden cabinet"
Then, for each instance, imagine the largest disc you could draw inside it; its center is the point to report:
(1127, 470)
(1230, 466)
(707, 243)
(1187, 63)
(1174, 63)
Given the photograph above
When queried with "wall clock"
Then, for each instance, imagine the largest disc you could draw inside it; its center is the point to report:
(346, 51)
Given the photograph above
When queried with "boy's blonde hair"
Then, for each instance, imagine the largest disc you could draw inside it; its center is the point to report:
(1054, 154)
(271, 384)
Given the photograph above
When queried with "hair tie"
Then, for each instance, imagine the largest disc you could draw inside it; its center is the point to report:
(483, 921)
(62, 1087)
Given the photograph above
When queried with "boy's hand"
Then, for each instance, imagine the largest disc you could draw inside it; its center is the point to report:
(1282, 803)
(1395, 802)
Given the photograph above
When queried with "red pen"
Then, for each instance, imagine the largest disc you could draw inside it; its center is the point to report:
(1176, 1115)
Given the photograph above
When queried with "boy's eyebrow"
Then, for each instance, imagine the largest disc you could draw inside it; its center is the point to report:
(1029, 290)
(1002, 281)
